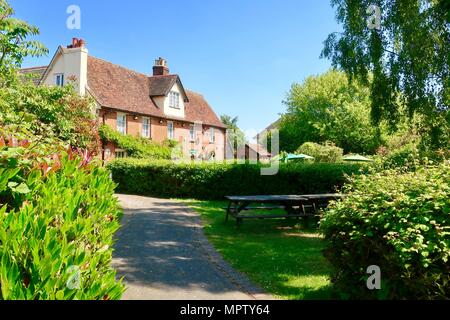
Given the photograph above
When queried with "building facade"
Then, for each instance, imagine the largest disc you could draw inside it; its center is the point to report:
(156, 107)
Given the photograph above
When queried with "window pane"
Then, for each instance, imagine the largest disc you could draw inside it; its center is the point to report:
(212, 137)
(121, 123)
(170, 131)
(192, 133)
(174, 99)
(59, 80)
(146, 127)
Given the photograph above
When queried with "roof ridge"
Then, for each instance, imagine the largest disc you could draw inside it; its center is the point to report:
(31, 68)
(119, 66)
(194, 92)
(165, 75)
(131, 70)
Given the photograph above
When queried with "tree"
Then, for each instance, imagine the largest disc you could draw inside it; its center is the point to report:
(407, 51)
(234, 134)
(230, 122)
(14, 43)
(329, 108)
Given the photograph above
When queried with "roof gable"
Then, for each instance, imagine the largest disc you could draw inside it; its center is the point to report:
(52, 63)
(161, 85)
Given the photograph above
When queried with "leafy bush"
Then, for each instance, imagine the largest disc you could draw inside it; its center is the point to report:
(50, 116)
(137, 147)
(214, 181)
(322, 153)
(405, 157)
(399, 222)
(57, 243)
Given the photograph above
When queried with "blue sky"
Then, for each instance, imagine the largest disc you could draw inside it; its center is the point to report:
(242, 55)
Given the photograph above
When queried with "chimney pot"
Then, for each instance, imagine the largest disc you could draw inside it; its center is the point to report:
(77, 43)
(160, 68)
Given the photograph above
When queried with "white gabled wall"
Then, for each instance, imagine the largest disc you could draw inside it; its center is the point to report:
(73, 64)
(178, 113)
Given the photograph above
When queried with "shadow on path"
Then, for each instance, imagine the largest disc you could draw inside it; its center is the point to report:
(162, 254)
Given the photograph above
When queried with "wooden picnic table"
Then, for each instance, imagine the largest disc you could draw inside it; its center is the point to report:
(295, 206)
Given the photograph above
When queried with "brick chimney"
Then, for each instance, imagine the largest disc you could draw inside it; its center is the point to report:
(75, 59)
(160, 68)
(76, 43)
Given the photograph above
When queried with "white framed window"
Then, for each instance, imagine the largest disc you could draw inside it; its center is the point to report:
(192, 132)
(212, 135)
(174, 100)
(59, 79)
(170, 130)
(120, 154)
(122, 123)
(146, 127)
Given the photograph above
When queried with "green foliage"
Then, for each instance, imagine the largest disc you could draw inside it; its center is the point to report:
(137, 147)
(405, 62)
(14, 46)
(329, 108)
(57, 243)
(235, 135)
(214, 181)
(399, 222)
(47, 116)
(322, 153)
(404, 157)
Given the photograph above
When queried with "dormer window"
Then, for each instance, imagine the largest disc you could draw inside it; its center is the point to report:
(59, 79)
(174, 100)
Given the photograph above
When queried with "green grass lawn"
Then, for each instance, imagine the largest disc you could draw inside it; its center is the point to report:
(280, 255)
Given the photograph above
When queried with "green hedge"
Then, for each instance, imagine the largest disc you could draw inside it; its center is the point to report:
(137, 147)
(214, 181)
(58, 243)
(399, 222)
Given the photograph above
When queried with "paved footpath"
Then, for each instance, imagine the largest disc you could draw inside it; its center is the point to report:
(162, 254)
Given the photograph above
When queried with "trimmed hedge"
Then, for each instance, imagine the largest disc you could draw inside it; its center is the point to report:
(214, 181)
(399, 222)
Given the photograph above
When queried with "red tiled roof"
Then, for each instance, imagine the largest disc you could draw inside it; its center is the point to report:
(35, 73)
(119, 88)
(160, 85)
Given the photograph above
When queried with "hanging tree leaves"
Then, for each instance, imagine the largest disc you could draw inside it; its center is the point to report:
(407, 51)
(14, 43)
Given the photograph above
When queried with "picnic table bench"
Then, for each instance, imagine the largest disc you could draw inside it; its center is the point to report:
(295, 206)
